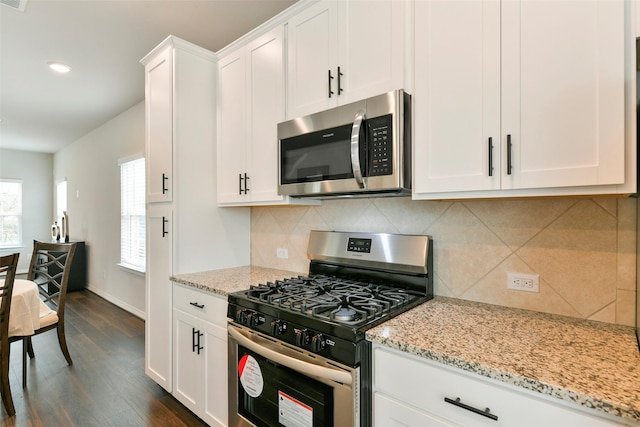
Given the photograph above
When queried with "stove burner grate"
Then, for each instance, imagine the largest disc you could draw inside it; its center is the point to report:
(334, 299)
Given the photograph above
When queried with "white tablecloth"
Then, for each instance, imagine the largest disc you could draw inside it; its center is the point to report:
(24, 317)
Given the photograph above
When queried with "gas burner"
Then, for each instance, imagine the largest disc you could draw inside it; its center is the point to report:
(344, 314)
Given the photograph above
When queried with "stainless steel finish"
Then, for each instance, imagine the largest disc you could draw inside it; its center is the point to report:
(397, 103)
(355, 148)
(396, 252)
(346, 414)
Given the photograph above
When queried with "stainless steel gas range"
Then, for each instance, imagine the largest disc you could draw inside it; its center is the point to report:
(297, 352)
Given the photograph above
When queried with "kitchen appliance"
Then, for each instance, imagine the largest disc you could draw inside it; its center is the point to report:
(297, 350)
(362, 148)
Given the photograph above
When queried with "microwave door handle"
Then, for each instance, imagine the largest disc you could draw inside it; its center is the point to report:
(355, 148)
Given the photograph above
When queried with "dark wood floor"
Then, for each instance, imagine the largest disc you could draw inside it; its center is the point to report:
(105, 386)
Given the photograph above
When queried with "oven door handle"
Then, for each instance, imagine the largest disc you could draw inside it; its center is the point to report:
(290, 362)
(355, 148)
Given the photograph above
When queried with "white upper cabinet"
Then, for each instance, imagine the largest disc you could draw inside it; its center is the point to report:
(159, 126)
(343, 51)
(232, 127)
(251, 103)
(521, 98)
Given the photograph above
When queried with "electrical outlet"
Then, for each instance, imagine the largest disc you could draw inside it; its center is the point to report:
(523, 282)
(282, 253)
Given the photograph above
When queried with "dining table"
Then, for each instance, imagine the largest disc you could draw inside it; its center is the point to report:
(26, 308)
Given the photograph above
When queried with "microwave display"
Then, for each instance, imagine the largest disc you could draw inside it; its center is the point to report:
(326, 155)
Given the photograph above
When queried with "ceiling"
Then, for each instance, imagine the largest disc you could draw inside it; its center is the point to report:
(103, 42)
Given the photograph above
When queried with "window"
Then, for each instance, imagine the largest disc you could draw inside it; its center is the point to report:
(10, 213)
(61, 198)
(132, 214)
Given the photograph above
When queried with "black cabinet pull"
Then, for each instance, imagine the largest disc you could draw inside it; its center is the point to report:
(509, 165)
(164, 222)
(164, 179)
(246, 183)
(195, 304)
(330, 78)
(490, 156)
(486, 413)
(240, 189)
(200, 334)
(340, 90)
(194, 346)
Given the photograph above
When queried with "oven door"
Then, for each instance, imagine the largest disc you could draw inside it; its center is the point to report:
(274, 384)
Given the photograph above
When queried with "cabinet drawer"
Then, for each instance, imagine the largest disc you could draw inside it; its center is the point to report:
(425, 385)
(203, 305)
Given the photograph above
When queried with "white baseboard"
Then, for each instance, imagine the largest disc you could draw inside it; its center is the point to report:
(123, 305)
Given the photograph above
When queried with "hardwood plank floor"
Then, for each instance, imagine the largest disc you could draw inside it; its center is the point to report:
(105, 386)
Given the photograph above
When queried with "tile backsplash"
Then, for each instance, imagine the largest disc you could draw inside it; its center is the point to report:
(583, 249)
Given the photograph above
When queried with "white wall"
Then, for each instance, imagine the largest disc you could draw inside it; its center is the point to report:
(36, 172)
(90, 166)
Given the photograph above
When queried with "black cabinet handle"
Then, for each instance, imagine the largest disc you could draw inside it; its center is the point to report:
(486, 413)
(340, 90)
(246, 182)
(240, 189)
(193, 340)
(195, 304)
(200, 334)
(164, 180)
(330, 78)
(164, 222)
(490, 156)
(509, 165)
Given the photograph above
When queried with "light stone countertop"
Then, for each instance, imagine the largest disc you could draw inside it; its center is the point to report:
(228, 280)
(594, 364)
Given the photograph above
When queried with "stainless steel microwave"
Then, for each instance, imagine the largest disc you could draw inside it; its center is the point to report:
(357, 149)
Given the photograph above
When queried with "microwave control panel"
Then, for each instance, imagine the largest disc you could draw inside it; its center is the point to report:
(380, 146)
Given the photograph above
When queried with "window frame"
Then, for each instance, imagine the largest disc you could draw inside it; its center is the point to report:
(19, 243)
(138, 191)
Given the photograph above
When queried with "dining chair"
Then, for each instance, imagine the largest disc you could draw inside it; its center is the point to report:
(8, 266)
(49, 268)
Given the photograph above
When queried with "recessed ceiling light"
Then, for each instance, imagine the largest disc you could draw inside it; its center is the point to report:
(59, 67)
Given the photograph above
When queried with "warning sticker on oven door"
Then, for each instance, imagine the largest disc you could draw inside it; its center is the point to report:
(293, 413)
(250, 375)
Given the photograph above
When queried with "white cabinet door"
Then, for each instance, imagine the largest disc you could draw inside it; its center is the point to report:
(551, 100)
(563, 92)
(371, 48)
(388, 412)
(312, 44)
(265, 110)
(457, 101)
(420, 388)
(187, 359)
(344, 51)
(158, 295)
(215, 373)
(232, 125)
(159, 126)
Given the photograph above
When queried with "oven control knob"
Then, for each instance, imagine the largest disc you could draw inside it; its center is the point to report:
(317, 343)
(278, 327)
(303, 337)
(249, 318)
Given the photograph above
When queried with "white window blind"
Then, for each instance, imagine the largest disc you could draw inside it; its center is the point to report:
(132, 219)
(10, 213)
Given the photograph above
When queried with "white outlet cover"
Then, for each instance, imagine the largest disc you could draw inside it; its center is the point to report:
(282, 253)
(523, 282)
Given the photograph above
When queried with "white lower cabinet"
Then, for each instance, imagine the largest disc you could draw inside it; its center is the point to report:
(200, 353)
(411, 391)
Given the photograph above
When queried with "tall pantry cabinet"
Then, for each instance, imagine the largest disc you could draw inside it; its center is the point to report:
(186, 231)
